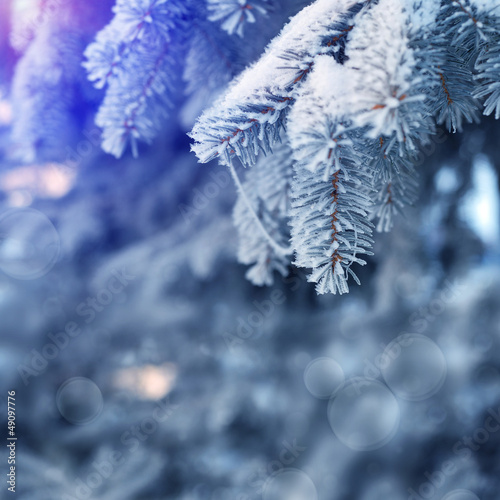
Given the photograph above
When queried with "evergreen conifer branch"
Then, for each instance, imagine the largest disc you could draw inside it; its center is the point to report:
(252, 114)
(348, 93)
(358, 96)
(267, 186)
(234, 14)
(136, 57)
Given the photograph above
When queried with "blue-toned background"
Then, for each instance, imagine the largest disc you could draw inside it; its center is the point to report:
(146, 367)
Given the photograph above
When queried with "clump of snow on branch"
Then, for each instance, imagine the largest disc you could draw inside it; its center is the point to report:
(356, 88)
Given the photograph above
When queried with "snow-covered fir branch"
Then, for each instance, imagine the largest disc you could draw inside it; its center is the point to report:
(135, 56)
(268, 186)
(48, 79)
(234, 14)
(356, 89)
(353, 88)
(252, 113)
(330, 228)
(141, 57)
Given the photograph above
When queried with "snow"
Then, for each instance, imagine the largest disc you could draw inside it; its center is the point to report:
(241, 352)
(302, 35)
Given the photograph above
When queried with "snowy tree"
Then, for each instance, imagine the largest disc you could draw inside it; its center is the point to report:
(327, 133)
(356, 88)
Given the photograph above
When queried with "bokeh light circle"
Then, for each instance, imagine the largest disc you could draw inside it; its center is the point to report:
(413, 367)
(364, 415)
(323, 377)
(79, 400)
(29, 244)
(289, 484)
(460, 495)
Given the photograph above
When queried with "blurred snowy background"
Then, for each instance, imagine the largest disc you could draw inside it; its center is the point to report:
(147, 367)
